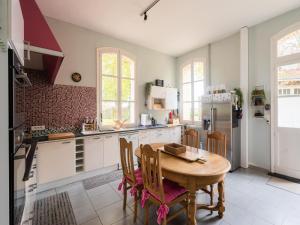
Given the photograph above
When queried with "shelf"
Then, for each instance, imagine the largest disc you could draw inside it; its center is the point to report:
(259, 117)
(79, 165)
(79, 158)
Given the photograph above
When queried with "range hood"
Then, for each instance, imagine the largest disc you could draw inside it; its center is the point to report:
(40, 39)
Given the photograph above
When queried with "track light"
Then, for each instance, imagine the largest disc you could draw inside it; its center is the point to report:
(144, 13)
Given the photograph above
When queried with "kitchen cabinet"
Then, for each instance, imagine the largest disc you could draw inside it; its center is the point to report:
(16, 28)
(111, 149)
(175, 135)
(144, 137)
(55, 160)
(93, 153)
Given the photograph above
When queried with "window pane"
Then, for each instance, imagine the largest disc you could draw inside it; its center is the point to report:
(109, 88)
(187, 111)
(289, 44)
(187, 92)
(127, 67)
(288, 103)
(187, 74)
(198, 90)
(128, 112)
(197, 111)
(109, 64)
(127, 90)
(198, 71)
(109, 112)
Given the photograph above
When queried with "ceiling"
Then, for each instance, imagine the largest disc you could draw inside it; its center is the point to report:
(173, 27)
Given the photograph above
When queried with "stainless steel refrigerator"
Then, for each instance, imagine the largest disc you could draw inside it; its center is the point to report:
(218, 114)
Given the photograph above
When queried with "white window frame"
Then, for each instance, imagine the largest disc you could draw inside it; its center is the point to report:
(120, 53)
(204, 61)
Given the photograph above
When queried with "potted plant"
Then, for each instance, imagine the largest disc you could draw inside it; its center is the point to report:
(239, 102)
(258, 97)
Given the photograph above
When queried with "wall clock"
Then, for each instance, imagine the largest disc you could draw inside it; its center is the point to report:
(76, 77)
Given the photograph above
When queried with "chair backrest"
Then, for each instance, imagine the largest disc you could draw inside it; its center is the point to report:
(126, 154)
(216, 143)
(151, 171)
(191, 138)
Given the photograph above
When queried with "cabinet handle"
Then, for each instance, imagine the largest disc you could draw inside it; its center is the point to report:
(66, 142)
(97, 138)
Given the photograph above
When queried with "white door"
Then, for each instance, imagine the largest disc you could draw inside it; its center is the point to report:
(286, 100)
(93, 153)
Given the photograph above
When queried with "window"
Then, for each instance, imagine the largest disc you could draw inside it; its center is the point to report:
(116, 86)
(192, 90)
(289, 44)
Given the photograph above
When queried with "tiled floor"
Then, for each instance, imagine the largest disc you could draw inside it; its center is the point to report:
(249, 200)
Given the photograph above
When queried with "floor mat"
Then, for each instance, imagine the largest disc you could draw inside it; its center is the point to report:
(54, 210)
(285, 185)
(100, 180)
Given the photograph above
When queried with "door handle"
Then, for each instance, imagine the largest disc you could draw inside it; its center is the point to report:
(66, 142)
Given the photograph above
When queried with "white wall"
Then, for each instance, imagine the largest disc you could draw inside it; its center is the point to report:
(225, 62)
(259, 74)
(4, 170)
(79, 46)
(223, 59)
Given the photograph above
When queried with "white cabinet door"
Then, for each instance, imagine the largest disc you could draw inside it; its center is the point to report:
(158, 92)
(171, 98)
(175, 135)
(111, 149)
(93, 153)
(55, 160)
(16, 29)
(144, 137)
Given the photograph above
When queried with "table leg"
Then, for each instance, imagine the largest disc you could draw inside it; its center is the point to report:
(221, 207)
(192, 208)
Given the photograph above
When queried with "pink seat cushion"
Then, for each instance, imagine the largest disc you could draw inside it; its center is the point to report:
(172, 191)
(138, 176)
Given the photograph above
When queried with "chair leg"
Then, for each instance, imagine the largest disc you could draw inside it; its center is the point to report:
(125, 195)
(211, 196)
(187, 209)
(165, 221)
(146, 216)
(135, 207)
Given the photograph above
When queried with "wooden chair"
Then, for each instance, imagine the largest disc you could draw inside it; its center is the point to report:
(191, 138)
(132, 178)
(215, 143)
(159, 191)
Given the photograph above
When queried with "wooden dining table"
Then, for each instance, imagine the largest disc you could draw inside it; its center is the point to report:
(195, 175)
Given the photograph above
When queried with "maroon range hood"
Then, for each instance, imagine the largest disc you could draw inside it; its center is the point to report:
(40, 39)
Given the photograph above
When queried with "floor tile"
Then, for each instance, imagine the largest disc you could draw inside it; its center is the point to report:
(95, 221)
(105, 199)
(113, 213)
(99, 190)
(84, 214)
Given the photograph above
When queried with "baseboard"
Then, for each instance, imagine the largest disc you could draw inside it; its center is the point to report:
(292, 179)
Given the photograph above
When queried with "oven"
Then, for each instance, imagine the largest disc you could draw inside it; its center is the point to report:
(17, 83)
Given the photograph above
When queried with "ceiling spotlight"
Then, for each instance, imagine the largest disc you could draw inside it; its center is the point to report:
(145, 16)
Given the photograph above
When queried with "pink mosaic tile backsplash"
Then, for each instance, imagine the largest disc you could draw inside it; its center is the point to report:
(57, 106)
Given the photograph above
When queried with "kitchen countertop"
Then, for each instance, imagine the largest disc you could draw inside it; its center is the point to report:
(124, 130)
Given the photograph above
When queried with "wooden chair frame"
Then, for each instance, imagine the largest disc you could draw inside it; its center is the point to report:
(126, 156)
(215, 143)
(153, 183)
(191, 138)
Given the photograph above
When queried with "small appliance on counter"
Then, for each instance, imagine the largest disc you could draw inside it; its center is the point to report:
(89, 125)
(145, 119)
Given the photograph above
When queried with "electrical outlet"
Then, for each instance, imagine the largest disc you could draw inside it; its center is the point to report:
(35, 128)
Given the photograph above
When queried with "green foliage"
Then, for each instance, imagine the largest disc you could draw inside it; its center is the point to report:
(239, 93)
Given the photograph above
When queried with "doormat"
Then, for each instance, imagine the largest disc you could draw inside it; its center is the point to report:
(54, 210)
(102, 179)
(285, 185)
